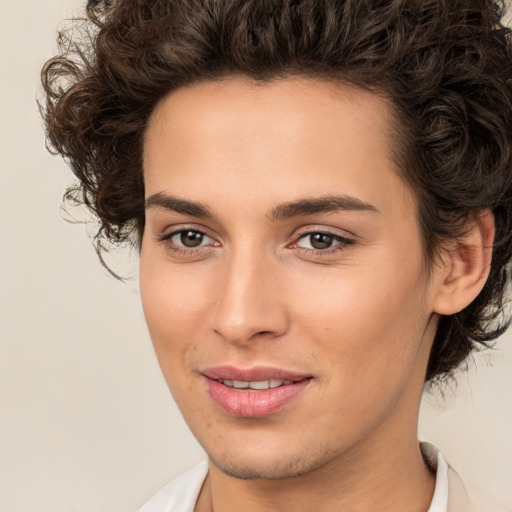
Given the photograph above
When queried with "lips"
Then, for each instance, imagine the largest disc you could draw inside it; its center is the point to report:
(255, 392)
(257, 384)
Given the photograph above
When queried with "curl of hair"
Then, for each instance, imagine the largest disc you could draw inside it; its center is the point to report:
(445, 66)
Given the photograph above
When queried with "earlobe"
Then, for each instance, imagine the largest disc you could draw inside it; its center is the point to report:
(465, 266)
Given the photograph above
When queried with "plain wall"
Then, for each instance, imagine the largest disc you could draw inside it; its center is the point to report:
(86, 421)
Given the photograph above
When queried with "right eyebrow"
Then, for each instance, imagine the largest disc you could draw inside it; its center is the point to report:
(326, 204)
(174, 204)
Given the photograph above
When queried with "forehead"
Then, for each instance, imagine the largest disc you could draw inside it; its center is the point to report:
(281, 106)
(292, 136)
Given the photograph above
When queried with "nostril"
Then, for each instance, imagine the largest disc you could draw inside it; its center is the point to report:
(243, 319)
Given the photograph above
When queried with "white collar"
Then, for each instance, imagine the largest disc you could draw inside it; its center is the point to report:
(435, 460)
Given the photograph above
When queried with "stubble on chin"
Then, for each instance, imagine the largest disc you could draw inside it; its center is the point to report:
(278, 466)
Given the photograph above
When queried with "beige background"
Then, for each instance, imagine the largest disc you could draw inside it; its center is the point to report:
(86, 422)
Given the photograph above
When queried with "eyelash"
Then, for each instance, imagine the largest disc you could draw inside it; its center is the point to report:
(343, 242)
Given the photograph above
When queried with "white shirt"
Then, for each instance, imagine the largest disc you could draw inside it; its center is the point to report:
(181, 494)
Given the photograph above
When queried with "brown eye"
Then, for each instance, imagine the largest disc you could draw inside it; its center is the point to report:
(188, 242)
(320, 240)
(190, 238)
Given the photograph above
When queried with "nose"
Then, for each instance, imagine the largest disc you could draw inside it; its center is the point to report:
(249, 299)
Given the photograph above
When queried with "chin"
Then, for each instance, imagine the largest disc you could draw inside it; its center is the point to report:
(272, 466)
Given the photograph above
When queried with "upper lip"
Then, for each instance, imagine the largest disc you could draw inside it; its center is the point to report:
(254, 374)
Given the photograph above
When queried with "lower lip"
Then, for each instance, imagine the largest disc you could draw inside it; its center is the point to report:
(246, 403)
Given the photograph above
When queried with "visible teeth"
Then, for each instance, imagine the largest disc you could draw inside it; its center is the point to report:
(275, 383)
(258, 384)
(240, 384)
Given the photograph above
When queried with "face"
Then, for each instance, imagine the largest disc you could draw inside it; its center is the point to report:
(281, 273)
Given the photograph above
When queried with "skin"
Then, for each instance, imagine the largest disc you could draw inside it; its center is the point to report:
(359, 316)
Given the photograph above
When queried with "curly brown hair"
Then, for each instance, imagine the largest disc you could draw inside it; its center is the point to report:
(446, 67)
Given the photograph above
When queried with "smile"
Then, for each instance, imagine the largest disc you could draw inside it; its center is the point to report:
(256, 392)
(256, 385)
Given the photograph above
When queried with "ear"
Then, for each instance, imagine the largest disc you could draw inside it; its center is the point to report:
(465, 266)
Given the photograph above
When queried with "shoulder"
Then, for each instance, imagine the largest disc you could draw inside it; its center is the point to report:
(180, 494)
(471, 500)
(451, 494)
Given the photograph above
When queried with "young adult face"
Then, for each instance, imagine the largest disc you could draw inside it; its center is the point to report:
(282, 248)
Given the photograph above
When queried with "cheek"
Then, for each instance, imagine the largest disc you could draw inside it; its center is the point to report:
(175, 316)
(368, 323)
(171, 300)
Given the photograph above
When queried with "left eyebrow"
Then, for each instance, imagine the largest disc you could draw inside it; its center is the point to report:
(327, 204)
(178, 205)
